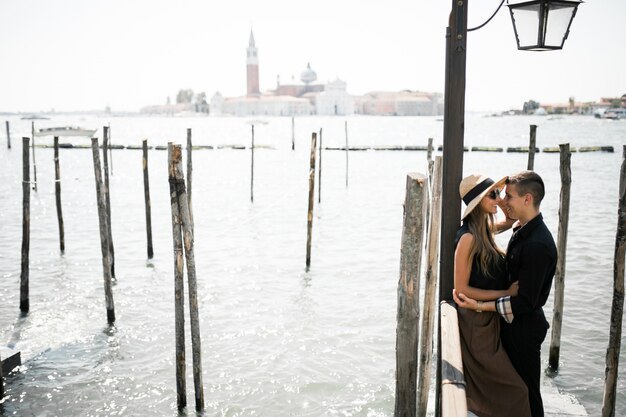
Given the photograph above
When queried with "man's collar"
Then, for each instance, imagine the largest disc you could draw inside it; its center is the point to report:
(528, 227)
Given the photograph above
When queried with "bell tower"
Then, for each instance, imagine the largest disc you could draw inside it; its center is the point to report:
(252, 68)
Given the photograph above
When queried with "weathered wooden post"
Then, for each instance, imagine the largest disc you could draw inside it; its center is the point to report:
(1, 383)
(532, 146)
(309, 228)
(110, 148)
(146, 195)
(407, 336)
(183, 209)
(57, 192)
(252, 168)
(179, 292)
(107, 196)
(189, 171)
(429, 158)
(319, 185)
(104, 234)
(24, 297)
(617, 309)
(32, 130)
(8, 135)
(346, 128)
(293, 134)
(430, 294)
(559, 276)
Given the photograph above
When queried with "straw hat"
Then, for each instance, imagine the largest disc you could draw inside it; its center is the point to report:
(474, 187)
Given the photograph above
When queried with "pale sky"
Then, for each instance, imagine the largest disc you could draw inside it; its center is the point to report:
(84, 55)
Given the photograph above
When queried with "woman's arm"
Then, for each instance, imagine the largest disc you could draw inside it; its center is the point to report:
(504, 225)
(463, 268)
(478, 306)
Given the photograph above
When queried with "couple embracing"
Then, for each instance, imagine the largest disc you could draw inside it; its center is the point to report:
(501, 294)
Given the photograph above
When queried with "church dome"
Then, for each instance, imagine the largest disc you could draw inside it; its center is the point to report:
(308, 75)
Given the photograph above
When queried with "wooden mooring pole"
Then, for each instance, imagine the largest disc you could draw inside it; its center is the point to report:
(187, 230)
(110, 147)
(559, 276)
(107, 196)
(309, 227)
(293, 134)
(8, 134)
(24, 297)
(32, 130)
(532, 146)
(189, 172)
(319, 185)
(430, 294)
(57, 193)
(146, 195)
(407, 336)
(617, 309)
(104, 234)
(252, 167)
(346, 129)
(1, 383)
(429, 158)
(179, 292)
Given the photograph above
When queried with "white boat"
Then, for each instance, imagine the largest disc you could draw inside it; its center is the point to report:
(617, 113)
(65, 131)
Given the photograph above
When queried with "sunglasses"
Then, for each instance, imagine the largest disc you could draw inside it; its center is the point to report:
(494, 194)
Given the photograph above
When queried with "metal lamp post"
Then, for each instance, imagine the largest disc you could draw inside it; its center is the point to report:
(552, 20)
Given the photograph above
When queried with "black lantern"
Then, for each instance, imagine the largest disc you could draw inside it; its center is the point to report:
(542, 25)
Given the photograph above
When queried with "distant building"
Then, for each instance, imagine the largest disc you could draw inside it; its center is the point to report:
(334, 100)
(252, 67)
(168, 108)
(305, 97)
(402, 103)
(307, 77)
(293, 99)
(265, 105)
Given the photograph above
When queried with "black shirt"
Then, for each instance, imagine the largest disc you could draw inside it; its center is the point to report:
(531, 259)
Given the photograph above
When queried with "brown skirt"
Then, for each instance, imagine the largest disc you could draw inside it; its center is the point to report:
(493, 387)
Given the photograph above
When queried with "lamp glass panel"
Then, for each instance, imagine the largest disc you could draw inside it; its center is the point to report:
(526, 24)
(559, 18)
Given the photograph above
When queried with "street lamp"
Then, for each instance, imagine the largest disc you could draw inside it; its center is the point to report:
(542, 25)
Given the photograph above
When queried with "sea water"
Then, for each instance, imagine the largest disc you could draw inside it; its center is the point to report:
(276, 340)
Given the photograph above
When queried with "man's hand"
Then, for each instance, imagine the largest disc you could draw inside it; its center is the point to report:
(513, 289)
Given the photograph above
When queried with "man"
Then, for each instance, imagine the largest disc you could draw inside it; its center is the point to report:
(531, 260)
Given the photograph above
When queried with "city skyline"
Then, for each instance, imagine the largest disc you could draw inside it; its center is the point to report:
(76, 56)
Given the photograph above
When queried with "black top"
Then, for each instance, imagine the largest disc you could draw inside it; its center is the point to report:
(531, 259)
(478, 279)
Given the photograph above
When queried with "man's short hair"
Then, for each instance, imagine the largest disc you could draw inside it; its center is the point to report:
(529, 182)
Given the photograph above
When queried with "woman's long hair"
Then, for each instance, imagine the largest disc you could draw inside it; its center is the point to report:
(485, 250)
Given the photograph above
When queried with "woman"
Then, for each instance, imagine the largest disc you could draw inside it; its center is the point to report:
(493, 387)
